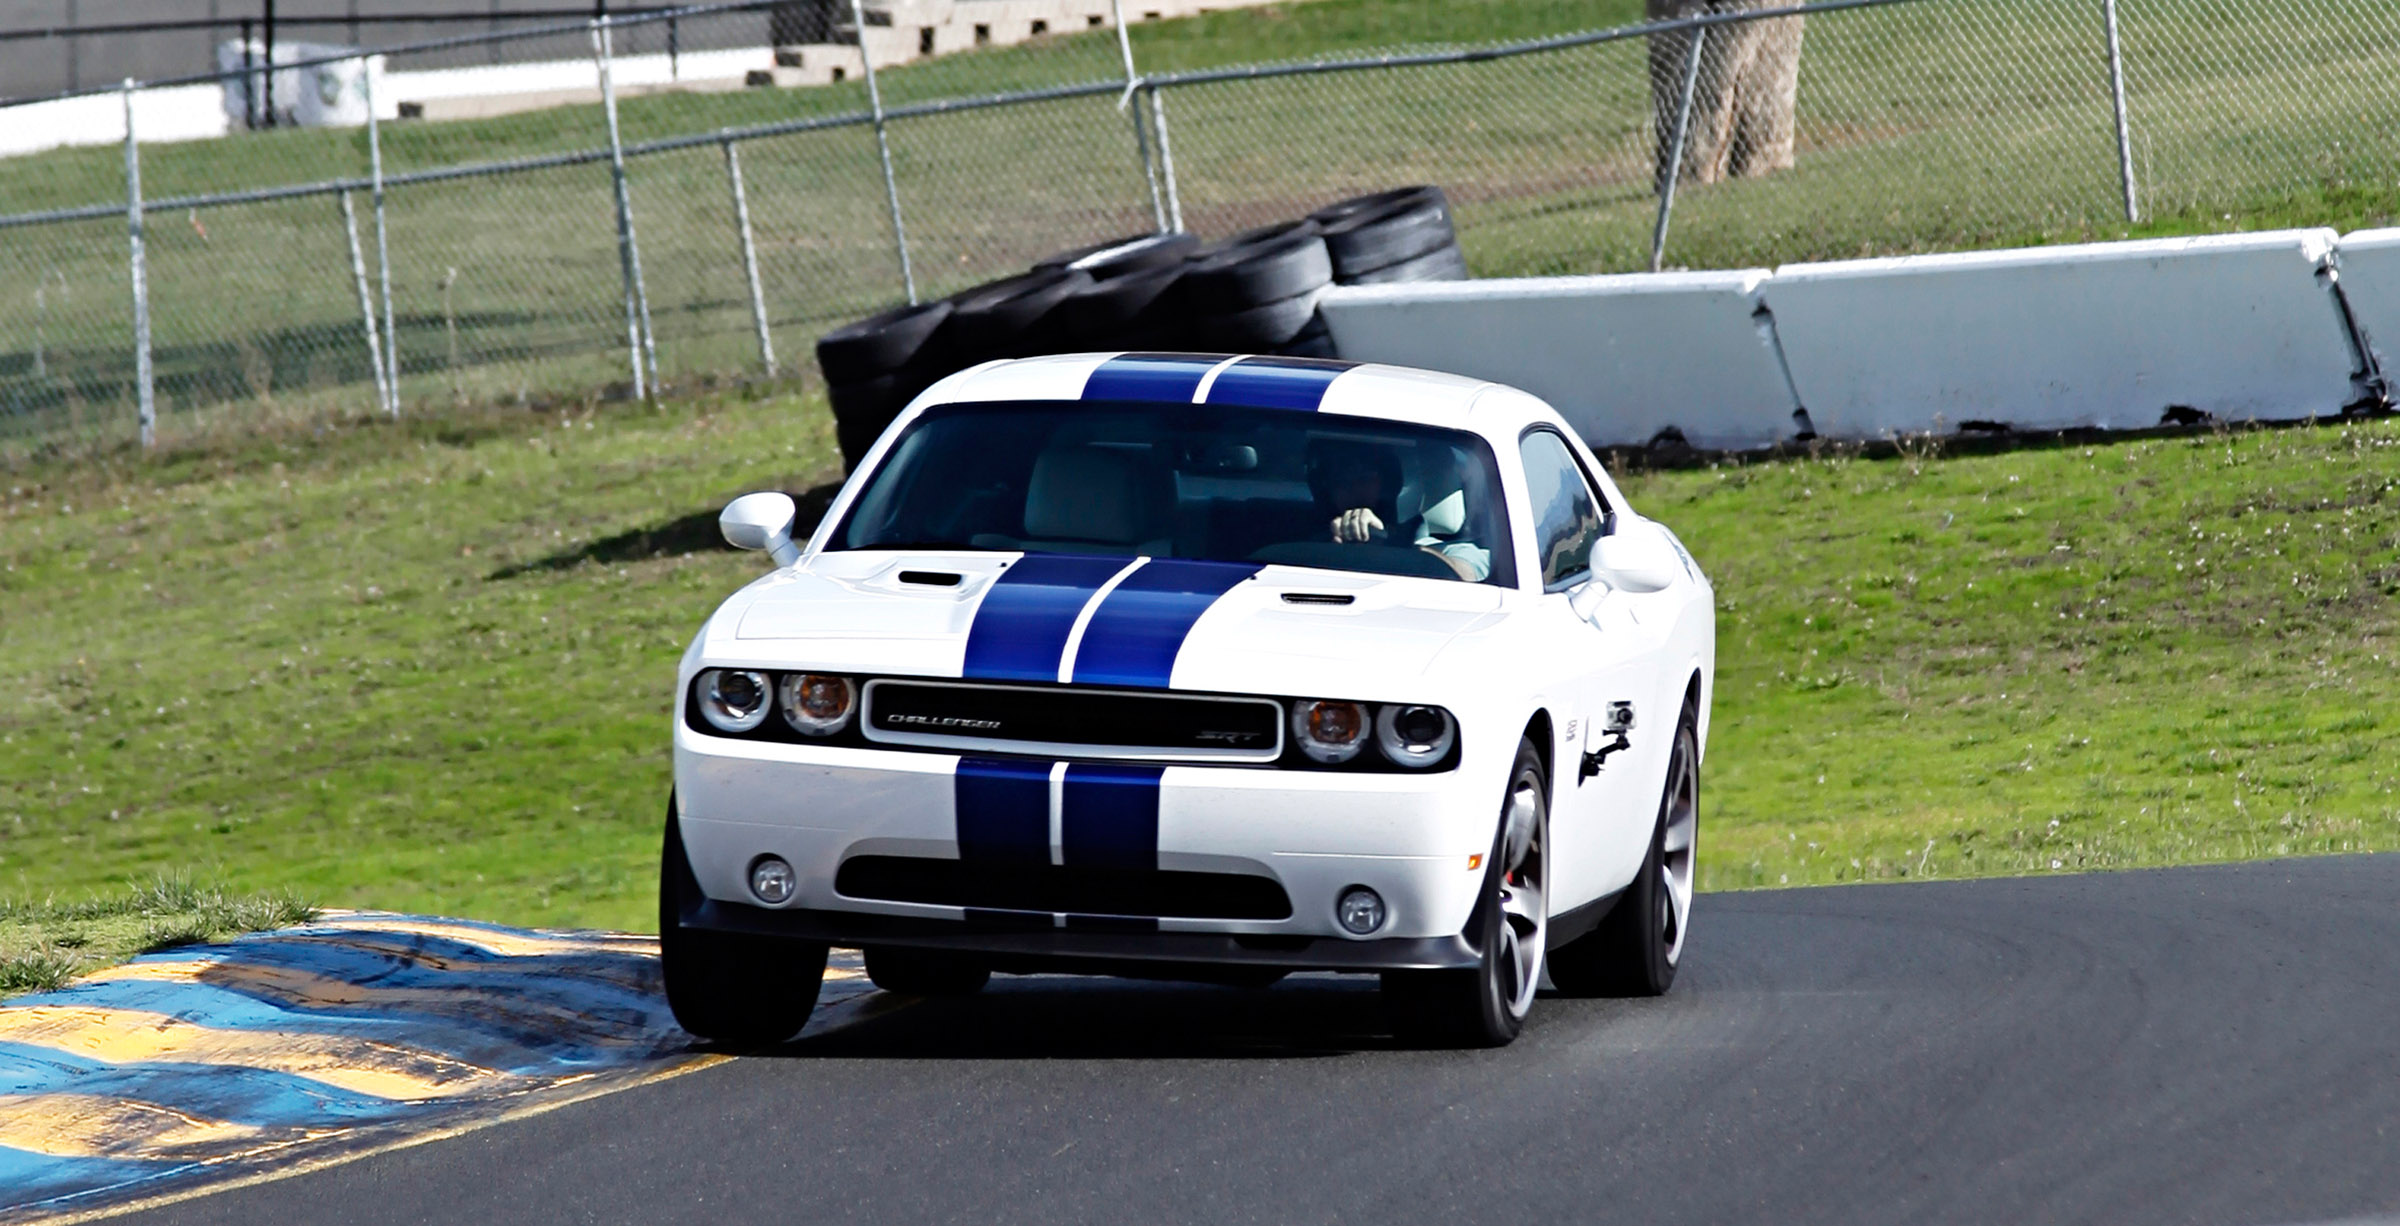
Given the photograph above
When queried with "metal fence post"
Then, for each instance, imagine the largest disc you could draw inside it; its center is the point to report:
(143, 391)
(644, 347)
(1166, 157)
(741, 222)
(1683, 132)
(883, 150)
(388, 380)
(1141, 127)
(2116, 85)
(366, 304)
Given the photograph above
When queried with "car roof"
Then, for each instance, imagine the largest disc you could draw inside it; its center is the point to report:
(1362, 389)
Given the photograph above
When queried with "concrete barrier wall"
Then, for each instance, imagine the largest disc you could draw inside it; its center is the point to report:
(2111, 335)
(1621, 357)
(2370, 278)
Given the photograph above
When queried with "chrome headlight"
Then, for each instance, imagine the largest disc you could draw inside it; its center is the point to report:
(1415, 736)
(817, 704)
(1329, 732)
(734, 700)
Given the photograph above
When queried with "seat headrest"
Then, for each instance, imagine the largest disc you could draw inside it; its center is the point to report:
(1447, 516)
(1097, 494)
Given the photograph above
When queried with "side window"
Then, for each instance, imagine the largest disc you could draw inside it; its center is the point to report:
(1566, 517)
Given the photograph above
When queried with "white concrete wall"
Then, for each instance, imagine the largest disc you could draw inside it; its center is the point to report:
(1621, 357)
(2370, 272)
(183, 112)
(2240, 327)
(2110, 334)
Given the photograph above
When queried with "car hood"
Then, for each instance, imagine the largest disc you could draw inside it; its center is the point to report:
(1182, 625)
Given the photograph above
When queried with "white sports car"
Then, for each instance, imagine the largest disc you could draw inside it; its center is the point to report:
(1196, 667)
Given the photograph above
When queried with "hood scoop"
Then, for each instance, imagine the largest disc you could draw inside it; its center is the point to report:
(1334, 598)
(931, 578)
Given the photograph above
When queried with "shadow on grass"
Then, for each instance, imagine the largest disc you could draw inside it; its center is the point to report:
(685, 534)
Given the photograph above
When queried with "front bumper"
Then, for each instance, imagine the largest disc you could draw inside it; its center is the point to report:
(1315, 834)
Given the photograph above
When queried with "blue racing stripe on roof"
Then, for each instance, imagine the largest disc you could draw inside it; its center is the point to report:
(1277, 383)
(1171, 377)
(1136, 633)
(1020, 630)
(1108, 816)
(1003, 809)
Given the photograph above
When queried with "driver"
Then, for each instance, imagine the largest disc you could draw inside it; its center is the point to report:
(1361, 483)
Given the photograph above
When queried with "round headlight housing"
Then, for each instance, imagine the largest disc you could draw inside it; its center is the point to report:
(817, 704)
(1328, 731)
(1415, 735)
(734, 700)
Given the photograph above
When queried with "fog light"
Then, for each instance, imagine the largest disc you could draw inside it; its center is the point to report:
(771, 879)
(1360, 911)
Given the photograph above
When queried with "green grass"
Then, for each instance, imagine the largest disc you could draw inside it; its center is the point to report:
(1939, 125)
(44, 944)
(427, 666)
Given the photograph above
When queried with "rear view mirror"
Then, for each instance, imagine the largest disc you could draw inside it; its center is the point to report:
(1636, 558)
(762, 521)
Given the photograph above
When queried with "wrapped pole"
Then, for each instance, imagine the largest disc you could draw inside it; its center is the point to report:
(883, 150)
(741, 223)
(366, 304)
(2116, 85)
(1141, 126)
(144, 393)
(1683, 134)
(389, 381)
(629, 251)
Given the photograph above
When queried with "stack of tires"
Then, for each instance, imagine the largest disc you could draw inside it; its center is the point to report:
(1255, 292)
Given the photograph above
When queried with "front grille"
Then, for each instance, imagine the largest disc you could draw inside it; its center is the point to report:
(1072, 722)
(1062, 889)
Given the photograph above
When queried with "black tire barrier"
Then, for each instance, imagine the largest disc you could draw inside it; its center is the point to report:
(1110, 314)
(879, 344)
(1240, 278)
(1445, 263)
(862, 410)
(996, 319)
(1378, 202)
(1264, 328)
(1314, 341)
(1367, 241)
(1123, 256)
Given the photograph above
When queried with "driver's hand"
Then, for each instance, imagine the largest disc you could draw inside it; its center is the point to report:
(1357, 526)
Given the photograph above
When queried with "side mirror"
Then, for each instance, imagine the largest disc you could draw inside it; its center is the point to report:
(1637, 558)
(762, 521)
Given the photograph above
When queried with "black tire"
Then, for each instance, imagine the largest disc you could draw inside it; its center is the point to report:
(1109, 314)
(742, 991)
(879, 344)
(925, 972)
(1363, 242)
(1441, 264)
(1253, 274)
(1377, 202)
(1123, 256)
(862, 411)
(997, 319)
(1485, 1006)
(1260, 329)
(1637, 946)
(1314, 341)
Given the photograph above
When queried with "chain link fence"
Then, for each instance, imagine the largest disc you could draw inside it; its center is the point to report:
(1919, 125)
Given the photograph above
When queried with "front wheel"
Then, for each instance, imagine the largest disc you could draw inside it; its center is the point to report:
(1635, 949)
(731, 988)
(1486, 1006)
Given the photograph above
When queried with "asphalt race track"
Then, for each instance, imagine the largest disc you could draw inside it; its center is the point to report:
(2217, 1045)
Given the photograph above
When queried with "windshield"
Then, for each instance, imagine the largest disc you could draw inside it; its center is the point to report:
(1190, 481)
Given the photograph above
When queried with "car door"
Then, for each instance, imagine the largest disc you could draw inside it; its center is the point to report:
(1600, 811)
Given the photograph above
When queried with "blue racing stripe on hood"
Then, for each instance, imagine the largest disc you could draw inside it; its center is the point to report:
(1108, 816)
(1021, 628)
(1136, 633)
(1170, 377)
(1003, 808)
(1277, 383)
